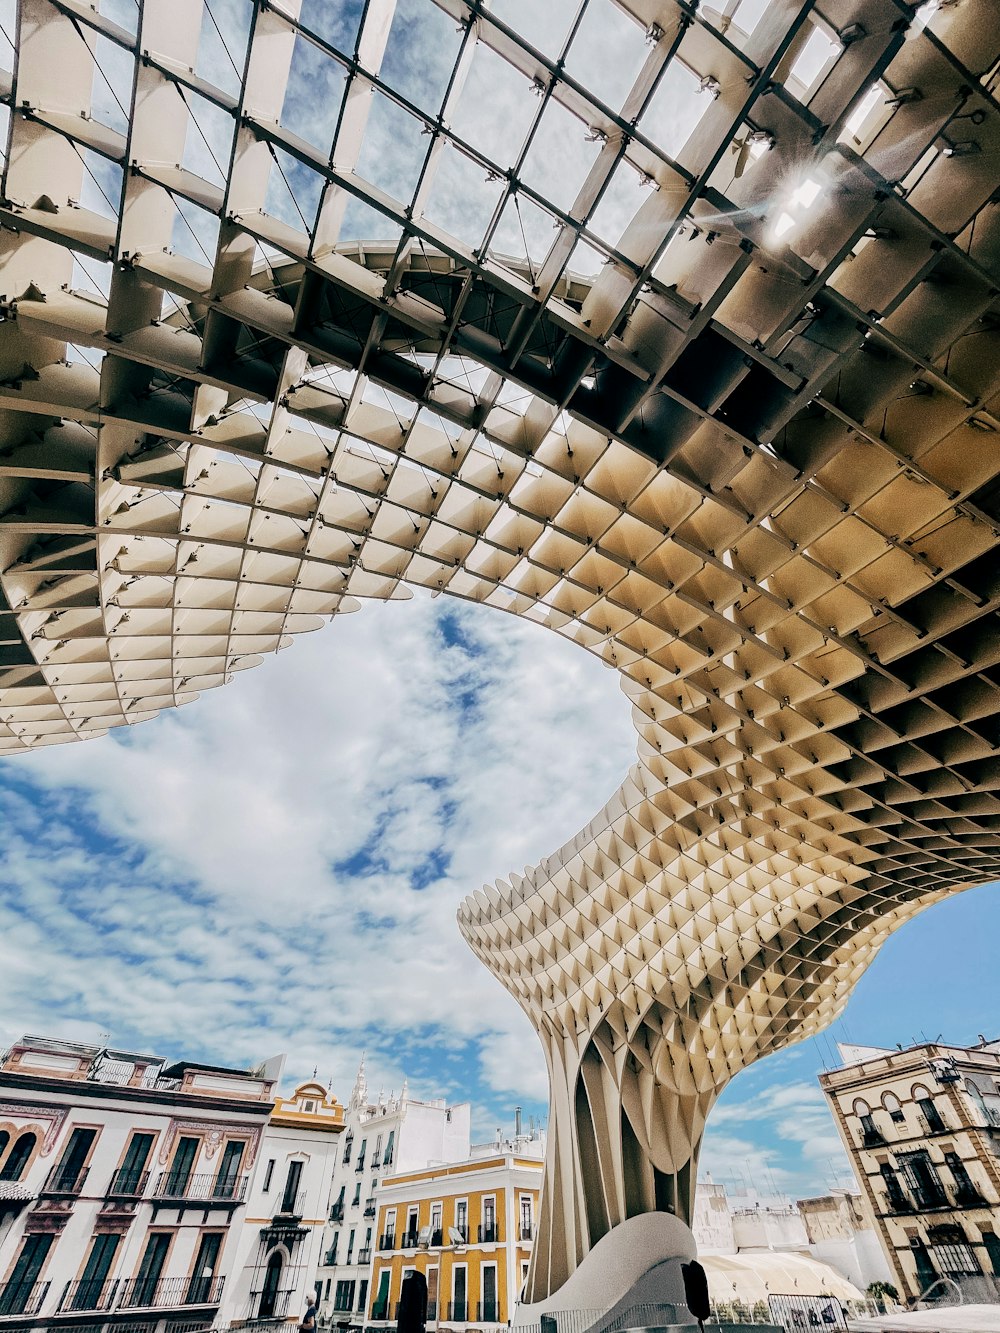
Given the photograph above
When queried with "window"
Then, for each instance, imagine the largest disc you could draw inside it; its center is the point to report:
(526, 1217)
(525, 1263)
(898, 1201)
(966, 1192)
(180, 1167)
(871, 1135)
(362, 1295)
(128, 1179)
(71, 1171)
(488, 1230)
(357, 1195)
(361, 1156)
(952, 1252)
(290, 1201)
(344, 1296)
(892, 1104)
(380, 1305)
(199, 1290)
(926, 1272)
(432, 1293)
(17, 1158)
(435, 1224)
(17, 1292)
(931, 1115)
(224, 1186)
(488, 1287)
(326, 1293)
(269, 1291)
(89, 1293)
(387, 1159)
(268, 1173)
(377, 1150)
(143, 1289)
(992, 1242)
(921, 1175)
(350, 1247)
(815, 59)
(458, 1310)
(411, 1226)
(389, 1236)
(462, 1218)
(348, 1144)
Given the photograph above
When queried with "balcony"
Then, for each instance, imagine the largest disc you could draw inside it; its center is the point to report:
(967, 1196)
(64, 1180)
(127, 1184)
(458, 1310)
(369, 1208)
(337, 1211)
(169, 1293)
(436, 1237)
(387, 1241)
(488, 1311)
(527, 1231)
(488, 1233)
(365, 1254)
(216, 1191)
(929, 1197)
(88, 1294)
(380, 1310)
(408, 1241)
(330, 1258)
(463, 1230)
(21, 1298)
(360, 1166)
(872, 1138)
(292, 1204)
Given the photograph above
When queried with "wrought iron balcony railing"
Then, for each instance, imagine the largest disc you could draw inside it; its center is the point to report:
(488, 1233)
(21, 1298)
(221, 1191)
(169, 1292)
(127, 1184)
(65, 1180)
(488, 1311)
(88, 1294)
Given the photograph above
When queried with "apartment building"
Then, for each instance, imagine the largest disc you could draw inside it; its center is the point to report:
(468, 1227)
(136, 1193)
(922, 1129)
(382, 1135)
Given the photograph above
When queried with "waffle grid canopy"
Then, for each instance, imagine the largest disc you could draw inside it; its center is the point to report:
(678, 334)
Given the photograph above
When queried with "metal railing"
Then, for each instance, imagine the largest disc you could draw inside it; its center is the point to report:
(408, 1241)
(489, 1311)
(337, 1213)
(330, 1258)
(88, 1294)
(21, 1298)
(436, 1237)
(369, 1208)
(291, 1204)
(364, 1254)
(127, 1184)
(279, 1302)
(169, 1292)
(459, 1310)
(489, 1233)
(359, 1165)
(201, 1188)
(65, 1180)
(527, 1231)
(387, 1241)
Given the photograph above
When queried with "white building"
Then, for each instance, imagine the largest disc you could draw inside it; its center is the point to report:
(134, 1193)
(382, 1136)
(841, 1234)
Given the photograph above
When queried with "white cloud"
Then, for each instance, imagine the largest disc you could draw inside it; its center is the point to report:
(239, 876)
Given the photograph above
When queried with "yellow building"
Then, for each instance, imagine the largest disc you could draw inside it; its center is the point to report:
(467, 1227)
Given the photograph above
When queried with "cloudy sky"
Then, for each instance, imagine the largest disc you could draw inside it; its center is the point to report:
(277, 867)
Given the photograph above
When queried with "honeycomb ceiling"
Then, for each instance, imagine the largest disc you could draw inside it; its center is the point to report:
(674, 328)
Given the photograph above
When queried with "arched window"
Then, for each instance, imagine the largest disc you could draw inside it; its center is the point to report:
(272, 1283)
(892, 1104)
(17, 1158)
(871, 1135)
(919, 1093)
(861, 1108)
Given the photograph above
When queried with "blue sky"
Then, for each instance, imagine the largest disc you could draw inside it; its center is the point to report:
(277, 867)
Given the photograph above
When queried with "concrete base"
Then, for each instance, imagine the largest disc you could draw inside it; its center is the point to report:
(631, 1279)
